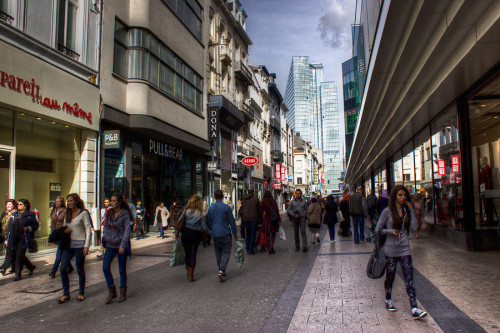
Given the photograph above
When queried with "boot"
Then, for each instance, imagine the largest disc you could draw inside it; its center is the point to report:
(111, 295)
(188, 272)
(191, 274)
(123, 295)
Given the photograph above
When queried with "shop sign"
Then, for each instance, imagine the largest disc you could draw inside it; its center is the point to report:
(250, 160)
(441, 167)
(165, 150)
(277, 170)
(277, 186)
(55, 190)
(351, 118)
(212, 166)
(455, 164)
(31, 89)
(290, 178)
(112, 139)
(283, 174)
(213, 123)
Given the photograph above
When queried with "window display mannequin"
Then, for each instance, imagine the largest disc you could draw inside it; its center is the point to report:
(486, 183)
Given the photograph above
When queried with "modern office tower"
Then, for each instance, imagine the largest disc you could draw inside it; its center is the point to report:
(313, 113)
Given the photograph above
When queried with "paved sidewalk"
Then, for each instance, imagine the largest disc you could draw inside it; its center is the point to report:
(459, 290)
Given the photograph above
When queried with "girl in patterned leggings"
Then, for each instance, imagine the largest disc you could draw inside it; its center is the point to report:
(397, 219)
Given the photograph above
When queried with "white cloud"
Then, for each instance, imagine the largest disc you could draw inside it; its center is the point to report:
(335, 23)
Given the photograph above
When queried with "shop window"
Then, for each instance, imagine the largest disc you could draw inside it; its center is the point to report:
(66, 29)
(408, 167)
(200, 179)
(484, 115)
(448, 196)
(47, 153)
(120, 52)
(397, 169)
(189, 12)
(423, 168)
(299, 180)
(6, 127)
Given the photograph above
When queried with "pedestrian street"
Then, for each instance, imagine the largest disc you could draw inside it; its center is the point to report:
(323, 290)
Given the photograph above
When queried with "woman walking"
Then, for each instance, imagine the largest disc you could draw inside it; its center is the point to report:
(417, 207)
(271, 219)
(330, 218)
(397, 219)
(20, 233)
(77, 222)
(57, 217)
(191, 232)
(6, 219)
(314, 222)
(161, 218)
(115, 239)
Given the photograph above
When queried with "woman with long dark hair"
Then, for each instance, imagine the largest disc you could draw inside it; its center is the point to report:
(6, 219)
(397, 219)
(192, 231)
(57, 217)
(115, 240)
(77, 220)
(21, 231)
(271, 219)
(330, 218)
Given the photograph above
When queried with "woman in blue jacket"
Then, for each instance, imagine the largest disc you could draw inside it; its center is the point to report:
(115, 240)
(19, 235)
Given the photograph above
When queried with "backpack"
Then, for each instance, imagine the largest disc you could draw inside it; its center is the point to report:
(274, 214)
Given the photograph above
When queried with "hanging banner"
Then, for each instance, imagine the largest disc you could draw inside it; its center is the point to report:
(441, 167)
(283, 174)
(277, 169)
(455, 164)
(213, 124)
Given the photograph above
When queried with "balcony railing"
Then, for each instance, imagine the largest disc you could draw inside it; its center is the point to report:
(277, 155)
(449, 149)
(243, 73)
(68, 52)
(248, 111)
(6, 17)
(275, 124)
(243, 148)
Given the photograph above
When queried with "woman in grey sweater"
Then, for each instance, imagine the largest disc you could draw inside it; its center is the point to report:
(395, 223)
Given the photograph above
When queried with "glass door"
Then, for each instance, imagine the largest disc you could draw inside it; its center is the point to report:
(7, 168)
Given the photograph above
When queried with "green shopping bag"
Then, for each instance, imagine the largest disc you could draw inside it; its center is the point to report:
(178, 254)
(238, 253)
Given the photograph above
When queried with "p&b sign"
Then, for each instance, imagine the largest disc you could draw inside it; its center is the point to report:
(112, 139)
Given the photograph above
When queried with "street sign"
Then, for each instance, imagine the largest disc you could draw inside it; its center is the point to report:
(250, 160)
(290, 178)
(211, 166)
(351, 117)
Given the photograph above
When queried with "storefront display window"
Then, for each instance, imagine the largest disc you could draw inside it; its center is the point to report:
(423, 169)
(484, 115)
(383, 179)
(448, 194)
(47, 164)
(6, 127)
(114, 172)
(397, 166)
(377, 183)
(409, 168)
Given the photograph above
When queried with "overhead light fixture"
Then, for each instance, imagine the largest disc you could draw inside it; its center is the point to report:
(53, 122)
(448, 127)
(22, 114)
(496, 117)
(484, 134)
(38, 118)
(483, 105)
(66, 126)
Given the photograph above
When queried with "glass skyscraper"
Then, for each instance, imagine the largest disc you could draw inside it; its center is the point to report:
(313, 113)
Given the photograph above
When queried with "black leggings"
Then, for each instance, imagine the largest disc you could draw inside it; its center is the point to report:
(190, 241)
(390, 273)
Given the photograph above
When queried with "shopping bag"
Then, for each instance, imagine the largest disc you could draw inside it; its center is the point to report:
(262, 239)
(178, 254)
(340, 217)
(238, 253)
(281, 231)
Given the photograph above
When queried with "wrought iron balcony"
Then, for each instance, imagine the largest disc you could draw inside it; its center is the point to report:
(242, 148)
(243, 73)
(248, 111)
(277, 155)
(275, 124)
(6, 17)
(449, 149)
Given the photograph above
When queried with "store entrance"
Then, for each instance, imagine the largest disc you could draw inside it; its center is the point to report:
(7, 169)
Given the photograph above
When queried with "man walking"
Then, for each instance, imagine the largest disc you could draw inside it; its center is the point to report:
(221, 224)
(140, 212)
(356, 208)
(250, 216)
(299, 214)
(372, 202)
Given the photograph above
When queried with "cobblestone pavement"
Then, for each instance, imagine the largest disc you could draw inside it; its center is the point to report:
(459, 290)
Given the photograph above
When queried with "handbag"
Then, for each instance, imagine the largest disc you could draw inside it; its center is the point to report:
(33, 246)
(377, 262)
(182, 221)
(274, 215)
(340, 217)
(262, 239)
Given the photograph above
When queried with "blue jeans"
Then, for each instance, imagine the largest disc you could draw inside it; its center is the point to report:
(109, 255)
(358, 222)
(222, 247)
(251, 232)
(331, 231)
(67, 255)
(57, 262)
(160, 225)
(128, 250)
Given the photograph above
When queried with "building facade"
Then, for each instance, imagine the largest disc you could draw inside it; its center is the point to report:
(426, 125)
(154, 138)
(49, 102)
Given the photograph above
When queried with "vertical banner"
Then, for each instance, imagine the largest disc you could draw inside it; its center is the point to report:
(277, 169)
(213, 124)
(283, 174)
(441, 167)
(455, 164)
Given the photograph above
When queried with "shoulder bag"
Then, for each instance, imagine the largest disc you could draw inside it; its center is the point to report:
(377, 262)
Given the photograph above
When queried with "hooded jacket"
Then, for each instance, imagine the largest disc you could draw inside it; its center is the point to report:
(117, 231)
(250, 207)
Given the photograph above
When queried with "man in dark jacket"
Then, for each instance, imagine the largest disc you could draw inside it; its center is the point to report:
(357, 209)
(372, 203)
(250, 216)
(299, 214)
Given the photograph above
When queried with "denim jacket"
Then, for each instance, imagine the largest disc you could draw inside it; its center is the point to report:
(220, 220)
(195, 221)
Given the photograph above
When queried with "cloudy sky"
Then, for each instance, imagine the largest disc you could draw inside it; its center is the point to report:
(281, 29)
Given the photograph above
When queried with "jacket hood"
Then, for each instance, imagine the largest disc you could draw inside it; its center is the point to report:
(247, 196)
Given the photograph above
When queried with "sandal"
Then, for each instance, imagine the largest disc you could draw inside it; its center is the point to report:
(64, 299)
(80, 298)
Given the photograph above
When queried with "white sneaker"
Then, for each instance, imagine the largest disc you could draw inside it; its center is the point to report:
(417, 313)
